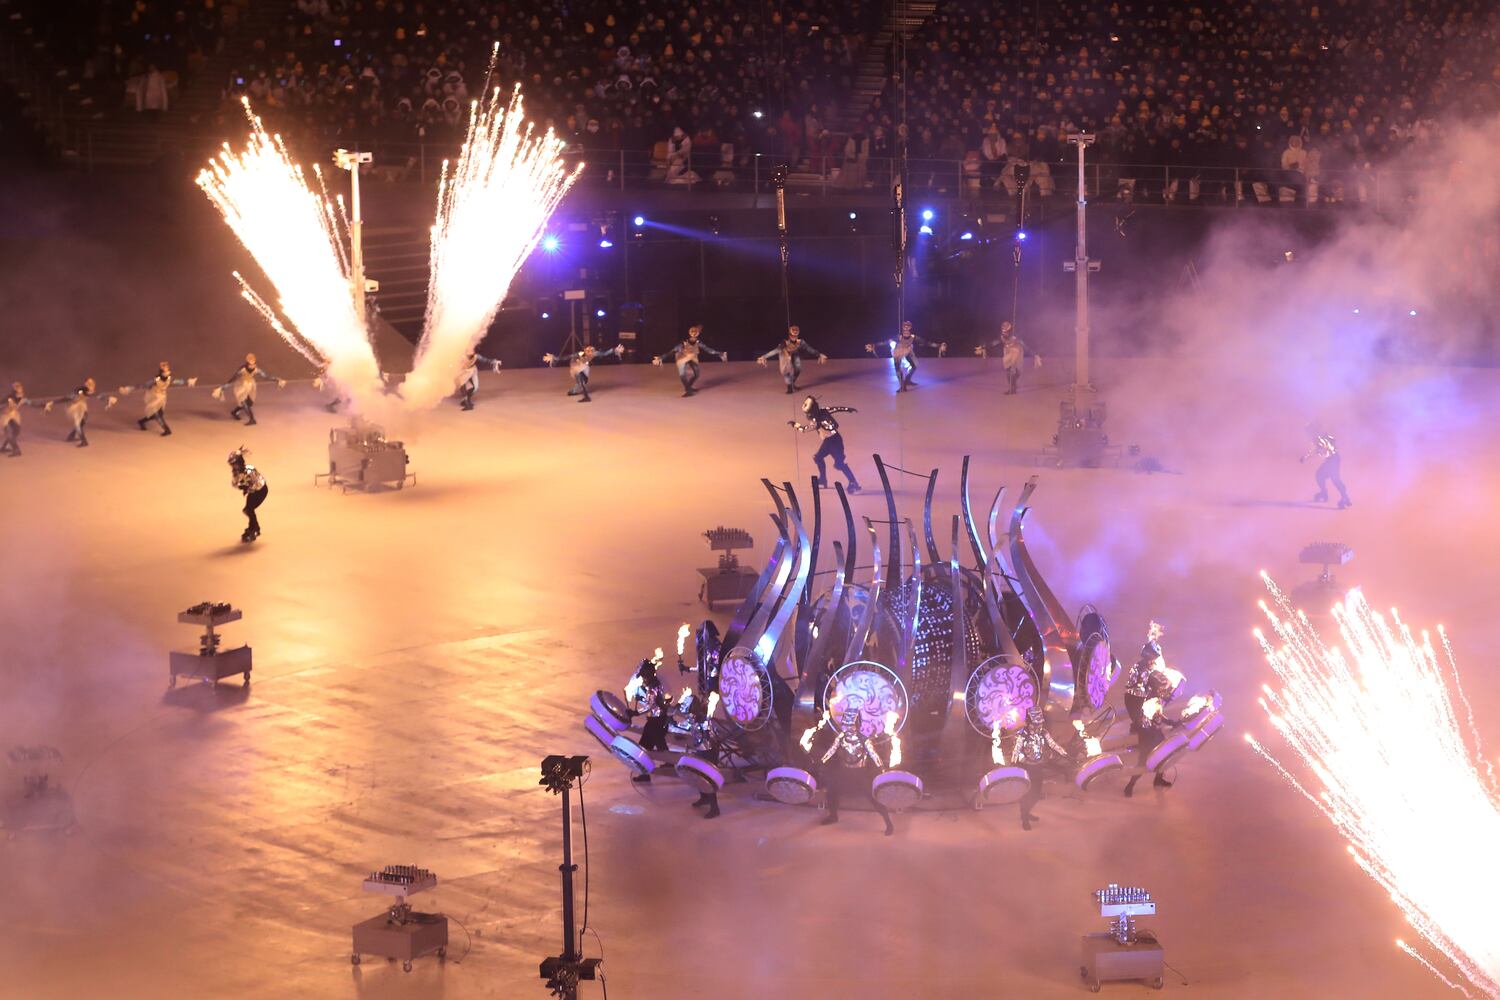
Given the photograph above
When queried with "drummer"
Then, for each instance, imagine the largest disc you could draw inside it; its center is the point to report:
(705, 746)
(850, 763)
(650, 698)
(1150, 685)
(1033, 750)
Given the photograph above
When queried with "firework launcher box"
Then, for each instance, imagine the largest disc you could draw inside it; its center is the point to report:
(729, 581)
(1125, 952)
(360, 458)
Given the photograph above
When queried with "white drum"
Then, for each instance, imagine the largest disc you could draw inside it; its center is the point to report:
(599, 732)
(700, 774)
(791, 785)
(1004, 785)
(898, 791)
(629, 753)
(1168, 752)
(1206, 731)
(1095, 767)
(611, 711)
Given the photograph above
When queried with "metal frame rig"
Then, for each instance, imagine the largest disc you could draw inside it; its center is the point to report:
(940, 649)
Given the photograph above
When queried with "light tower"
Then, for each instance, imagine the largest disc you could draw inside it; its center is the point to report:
(1081, 267)
(1080, 436)
(345, 160)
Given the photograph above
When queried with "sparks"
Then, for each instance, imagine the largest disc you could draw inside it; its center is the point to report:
(295, 234)
(1396, 771)
(493, 208)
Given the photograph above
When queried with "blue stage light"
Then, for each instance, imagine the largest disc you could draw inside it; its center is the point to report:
(639, 220)
(967, 236)
(925, 231)
(599, 313)
(927, 214)
(551, 243)
(1020, 236)
(1412, 313)
(546, 315)
(853, 216)
(605, 244)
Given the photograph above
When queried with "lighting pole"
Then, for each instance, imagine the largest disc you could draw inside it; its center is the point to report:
(345, 160)
(1081, 267)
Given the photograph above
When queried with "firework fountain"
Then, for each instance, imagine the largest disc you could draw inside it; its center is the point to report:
(493, 207)
(296, 234)
(1397, 770)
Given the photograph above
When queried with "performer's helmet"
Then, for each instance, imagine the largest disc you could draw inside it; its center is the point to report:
(165, 366)
(1035, 717)
(237, 457)
(794, 332)
(1154, 630)
(809, 404)
(250, 358)
(694, 332)
(89, 383)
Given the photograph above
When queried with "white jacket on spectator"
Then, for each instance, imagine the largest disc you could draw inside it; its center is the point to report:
(153, 93)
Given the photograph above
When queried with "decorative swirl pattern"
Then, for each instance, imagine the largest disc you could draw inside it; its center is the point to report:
(999, 691)
(869, 689)
(744, 689)
(1099, 671)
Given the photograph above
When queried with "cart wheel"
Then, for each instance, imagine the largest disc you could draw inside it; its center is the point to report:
(1158, 983)
(353, 959)
(1093, 987)
(406, 966)
(443, 952)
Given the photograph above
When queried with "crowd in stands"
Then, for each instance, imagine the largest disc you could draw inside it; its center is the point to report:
(606, 75)
(1295, 88)
(135, 51)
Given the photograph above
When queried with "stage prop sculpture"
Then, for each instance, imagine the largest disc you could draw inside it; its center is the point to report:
(926, 666)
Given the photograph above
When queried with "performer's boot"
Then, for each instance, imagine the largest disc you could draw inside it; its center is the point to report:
(1345, 503)
(83, 441)
(141, 423)
(642, 779)
(1026, 820)
(235, 413)
(832, 806)
(1130, 785)
(790, 388)
(713, 808)
(1160, 782)
(890, 827)
(249, 415)
(72, 435)
(703, 800)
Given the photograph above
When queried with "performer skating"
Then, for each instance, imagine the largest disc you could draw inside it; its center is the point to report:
(686, 354)
(156, 396)
(821, 419)
(1326, 450)
(850, 764)
(242, 385)
(904, 355)
(78, 410)
(1148, 687)
(790, 353)
(10, 416)
(1033, 749)
(249, 481)
(1012, 354)
(650, 698)
(578, 367)
(467, 382)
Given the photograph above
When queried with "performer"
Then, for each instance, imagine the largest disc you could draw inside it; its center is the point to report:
(1148, 687)
(1013, 353)
(1326, 450)
(705, 747)
(242, 384)
(1033, 749)
(790, 352)
(249, 481)
(650, 698)
(578, 367)
(468, 377)
(849, 764)
(10, 416)
(904, 355)
(78, 409)
(323, 381)
(687, 358)
(821, 419)
(156, 396)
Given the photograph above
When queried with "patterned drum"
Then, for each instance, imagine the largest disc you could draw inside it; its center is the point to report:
(898, 791)
(610, 710)
(1168, 752)
(1206, 730)
(629, 753)
(791, 785)
(869, 688)
(1097, 669)
(1004, 785)
(1095, 767)
(700, 774)
(999, 690)
(745, 689)
(599, 732)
